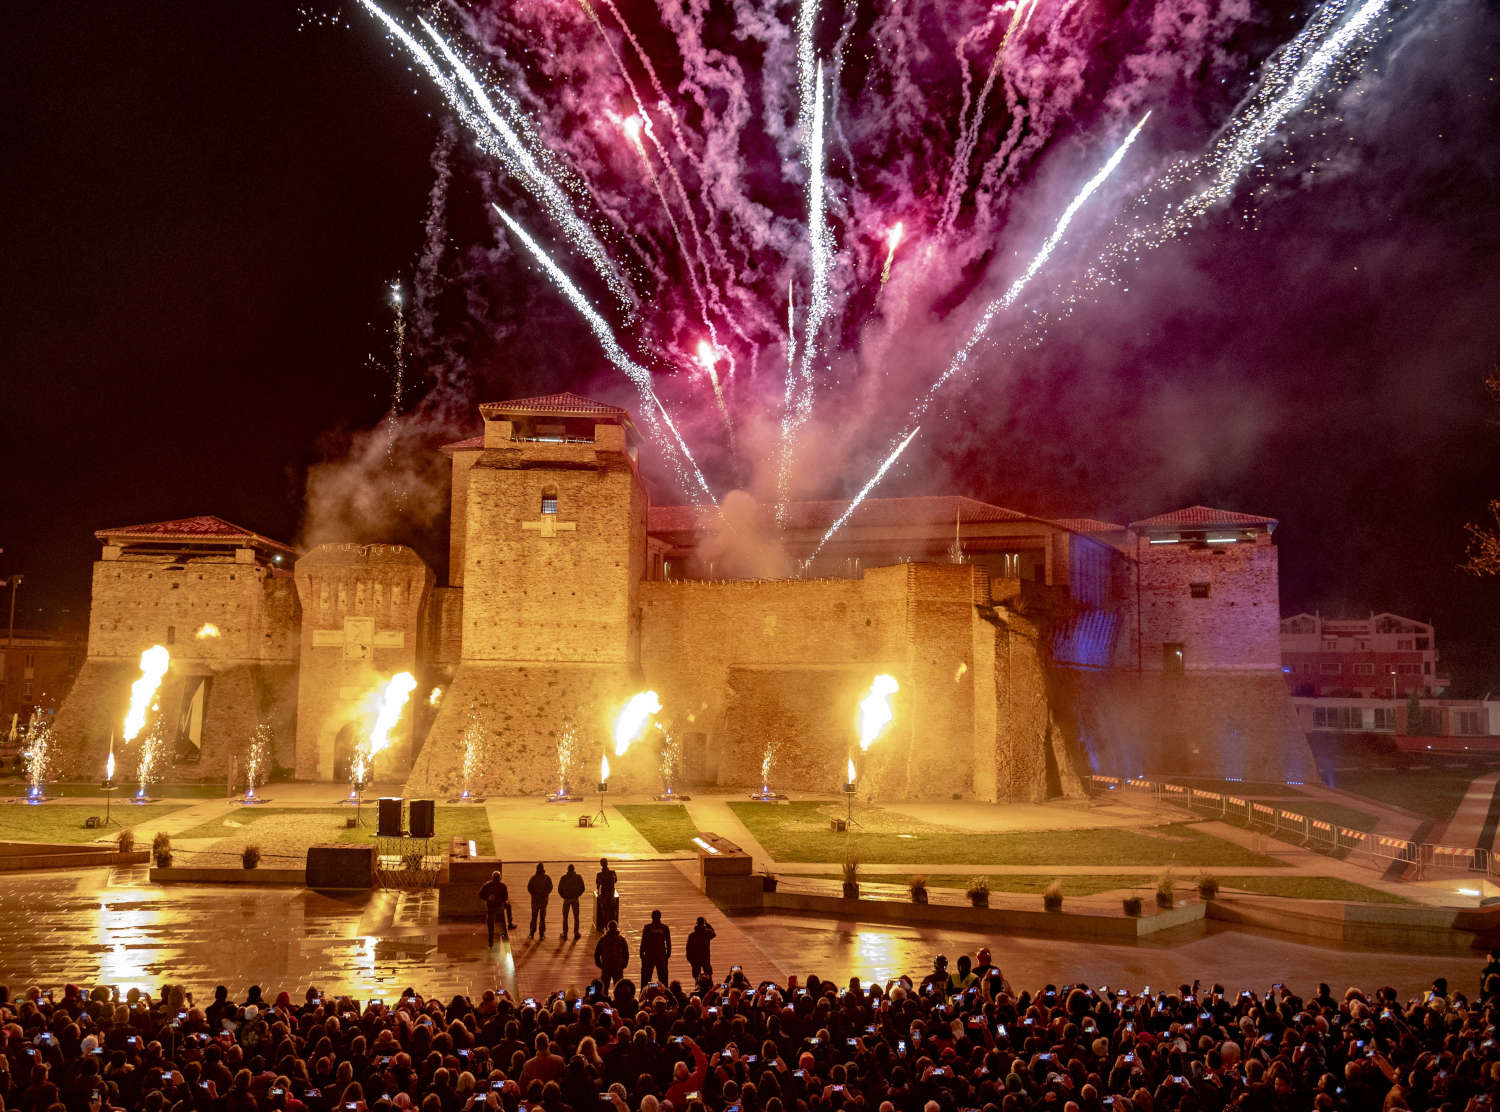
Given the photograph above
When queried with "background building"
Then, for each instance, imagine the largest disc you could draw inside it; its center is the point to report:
(1382, 656)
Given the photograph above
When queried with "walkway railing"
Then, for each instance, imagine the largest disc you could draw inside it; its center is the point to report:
(1361, 847)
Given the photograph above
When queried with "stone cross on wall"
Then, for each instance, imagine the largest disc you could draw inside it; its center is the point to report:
(358, 637)
(549, 526)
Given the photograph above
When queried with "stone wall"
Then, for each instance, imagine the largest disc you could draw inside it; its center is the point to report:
(553, 587)
(1236, 627)
(364, 620)
(244, 670)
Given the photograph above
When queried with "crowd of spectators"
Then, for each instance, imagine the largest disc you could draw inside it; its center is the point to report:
(951, 1042)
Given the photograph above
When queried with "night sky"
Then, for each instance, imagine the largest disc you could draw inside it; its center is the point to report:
(205, 206)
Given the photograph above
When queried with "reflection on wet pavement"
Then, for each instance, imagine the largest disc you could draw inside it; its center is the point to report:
(112, 926)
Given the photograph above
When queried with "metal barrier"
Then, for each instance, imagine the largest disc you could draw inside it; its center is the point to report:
(1362, 847)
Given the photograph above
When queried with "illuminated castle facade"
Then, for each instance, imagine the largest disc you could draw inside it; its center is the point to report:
(1028, 651)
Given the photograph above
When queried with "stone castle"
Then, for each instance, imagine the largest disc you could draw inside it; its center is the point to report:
(1029, 652)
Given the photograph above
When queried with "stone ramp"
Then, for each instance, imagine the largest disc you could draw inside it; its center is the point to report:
(1471, 824)
(538, 966)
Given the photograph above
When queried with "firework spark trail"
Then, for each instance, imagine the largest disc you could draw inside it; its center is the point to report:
(482, 118)
(799, 394)
(616, 355)
(969, 136)
(864, 491)
(398, 389)
(892, 241)
(1287, 82)
(643, 116)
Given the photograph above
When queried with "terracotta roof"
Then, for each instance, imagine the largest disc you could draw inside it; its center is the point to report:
(204, 527)
(1202, 517)
(934, 510)
(1087, 525)
(473, 443)
(566, 404)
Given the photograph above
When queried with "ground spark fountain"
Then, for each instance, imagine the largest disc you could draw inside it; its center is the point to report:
(767, 794)
(38, 744)
(671, 768)
(567, 749)
(149, 769)
(474, 747)
(257, 763)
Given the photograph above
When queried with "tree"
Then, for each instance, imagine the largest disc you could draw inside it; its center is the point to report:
(1483, 556)
(1416, 724)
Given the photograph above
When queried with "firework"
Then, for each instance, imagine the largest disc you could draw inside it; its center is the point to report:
(388, 706)
(853, 505)
(206, 631)
(154, 663)
(892, 241)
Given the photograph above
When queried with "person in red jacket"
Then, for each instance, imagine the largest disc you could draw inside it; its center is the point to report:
(687, 1083)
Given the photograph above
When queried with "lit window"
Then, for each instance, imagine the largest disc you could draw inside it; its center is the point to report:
(549, 503)
(1198, 590)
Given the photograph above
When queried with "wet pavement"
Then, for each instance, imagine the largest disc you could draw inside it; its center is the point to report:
(112, 926)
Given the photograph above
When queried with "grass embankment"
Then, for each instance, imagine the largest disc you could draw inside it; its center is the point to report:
(666, 826)
(799, 832)
(1290, 887)
(286, 832)
(63, 823)
(1431, 793)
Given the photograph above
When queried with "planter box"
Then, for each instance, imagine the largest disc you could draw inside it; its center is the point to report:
(229, 874)
(21, 857)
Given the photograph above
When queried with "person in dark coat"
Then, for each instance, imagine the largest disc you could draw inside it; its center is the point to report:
(496, 899)
(611, 955)
(570, 890)
(540, 889)
(606, 906)
(656, 948)
(700, 950)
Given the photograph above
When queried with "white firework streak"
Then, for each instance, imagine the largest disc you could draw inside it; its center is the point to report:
(860, 497)
(485, 121)
(615, 353)
(1288, 82)
(398, 389)
(982, 326)
(799, 394)
(969, 136)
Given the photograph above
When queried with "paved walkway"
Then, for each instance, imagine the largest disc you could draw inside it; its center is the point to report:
(1471, 824)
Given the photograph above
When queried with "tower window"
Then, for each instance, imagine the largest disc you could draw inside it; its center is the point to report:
(1198, 590)
(549, 502)
(171, 635)
(1173, 660)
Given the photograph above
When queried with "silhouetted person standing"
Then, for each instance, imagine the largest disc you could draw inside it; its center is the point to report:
(611, 954)
(656, 948)
(700, 949)
(570, 890)
(606, 903)
(540, 888)
(496, 899)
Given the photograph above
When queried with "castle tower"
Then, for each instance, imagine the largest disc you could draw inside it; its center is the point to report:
(549, 546)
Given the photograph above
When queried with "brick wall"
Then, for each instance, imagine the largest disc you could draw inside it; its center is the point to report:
(1236, 627)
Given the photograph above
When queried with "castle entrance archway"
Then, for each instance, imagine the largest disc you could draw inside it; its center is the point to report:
(343, 750)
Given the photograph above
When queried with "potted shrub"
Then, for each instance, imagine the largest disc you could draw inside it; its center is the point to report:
(1133, 906)
(851, 878)
(161, 849)
(1208, 885)
(917, 886)
(250, 856)
(1052, 896)
(979, 892)
(1166, 889)
(125, 840)
(768, 881)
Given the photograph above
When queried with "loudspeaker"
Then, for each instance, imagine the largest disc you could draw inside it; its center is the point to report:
(389, 822)
(340, 866)
(422, 818)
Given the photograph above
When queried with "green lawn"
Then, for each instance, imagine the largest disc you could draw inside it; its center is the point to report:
(665, 825)
(1292, 887)
(799, 832)
(288, 831)
(1432, 793)
(64, 822)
